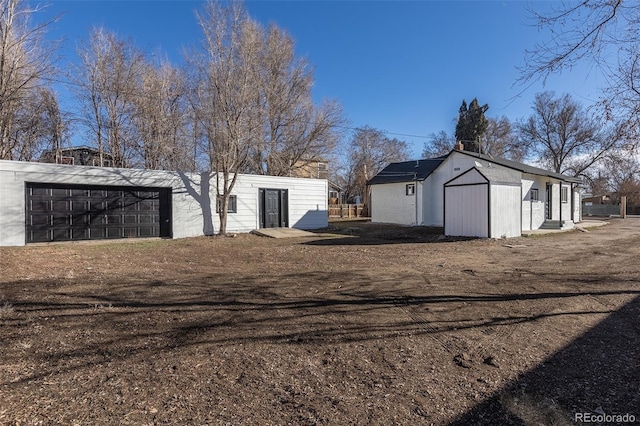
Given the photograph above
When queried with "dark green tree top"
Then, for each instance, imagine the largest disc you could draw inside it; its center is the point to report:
(471, 124)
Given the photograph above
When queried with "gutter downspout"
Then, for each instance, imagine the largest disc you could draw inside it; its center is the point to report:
(560, 203)
(415, 192)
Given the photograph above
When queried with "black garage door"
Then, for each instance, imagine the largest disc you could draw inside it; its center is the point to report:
(69, 213)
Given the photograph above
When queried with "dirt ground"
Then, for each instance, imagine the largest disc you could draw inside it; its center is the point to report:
(360, 324)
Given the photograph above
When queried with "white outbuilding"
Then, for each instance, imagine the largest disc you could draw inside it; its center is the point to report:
(483, 202)
(42, 202)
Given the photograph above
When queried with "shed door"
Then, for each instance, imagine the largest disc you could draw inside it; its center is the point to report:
(466, 210)
(273, 208)
(74, 212)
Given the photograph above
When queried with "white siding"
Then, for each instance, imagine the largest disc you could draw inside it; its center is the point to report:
(532, 211)
(566, 207)
(467, 211)
(454, 165)
(390, 204)
(505, 211)
(193, 196)
(577, 204)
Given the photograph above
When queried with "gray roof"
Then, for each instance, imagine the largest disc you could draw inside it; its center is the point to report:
(407, 171)
(495, 175)
(524, 168)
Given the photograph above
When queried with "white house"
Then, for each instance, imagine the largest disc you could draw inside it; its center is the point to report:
(473, 194)
(49, 202)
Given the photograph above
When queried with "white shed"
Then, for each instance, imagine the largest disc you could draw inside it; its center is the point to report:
(483, 202)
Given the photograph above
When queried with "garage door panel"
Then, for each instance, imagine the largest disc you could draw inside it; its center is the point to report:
(79, 234)
(79, 193)
(61, 205)
(59, 192)
(40, 220)
(39, 192)
(97, 233)
(62, 220)
(57, 213)
(61, 234)
(147, 231)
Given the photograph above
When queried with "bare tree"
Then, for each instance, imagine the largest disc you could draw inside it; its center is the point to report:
(603, 34)
(441, 143)
(295, 131)
(369, 151)
(25, 63)
(564, 137)
(501, 140)
(227, 99)
(108, 78)
(161, 119)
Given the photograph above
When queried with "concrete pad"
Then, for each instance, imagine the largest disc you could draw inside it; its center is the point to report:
(282, 233)
(580, 226)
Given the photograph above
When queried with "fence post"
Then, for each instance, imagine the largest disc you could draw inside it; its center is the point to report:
(623, 207)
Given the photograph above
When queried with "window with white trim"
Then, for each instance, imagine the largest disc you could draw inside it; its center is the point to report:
(533, 194)
(232, 206)
(410, 189)
(564, 195)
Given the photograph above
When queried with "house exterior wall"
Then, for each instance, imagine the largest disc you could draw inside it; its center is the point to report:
(577, 206)
(564, 208)
(193, 198)
(533, 210)
(390, 204)
(506, 206)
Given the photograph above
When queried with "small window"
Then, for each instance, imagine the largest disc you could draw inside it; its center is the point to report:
(232, 206)
(564, 195)
(105, 163)
(533, 195)
(411, 189)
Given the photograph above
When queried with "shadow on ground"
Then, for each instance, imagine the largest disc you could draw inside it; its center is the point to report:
(564, 386)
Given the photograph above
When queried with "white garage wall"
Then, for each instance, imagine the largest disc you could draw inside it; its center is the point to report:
(193, 198)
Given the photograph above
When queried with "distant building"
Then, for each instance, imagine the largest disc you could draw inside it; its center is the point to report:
(312, 168)
(78, 156)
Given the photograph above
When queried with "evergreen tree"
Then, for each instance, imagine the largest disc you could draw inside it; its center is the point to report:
(471, 125)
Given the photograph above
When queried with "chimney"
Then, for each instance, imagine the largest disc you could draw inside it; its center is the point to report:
(459, 146)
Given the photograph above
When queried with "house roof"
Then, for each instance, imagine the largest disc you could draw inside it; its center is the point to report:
(491, 174)
(524, 168)
(407, 171)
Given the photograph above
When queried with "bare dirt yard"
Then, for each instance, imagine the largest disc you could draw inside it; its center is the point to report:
(360, 324)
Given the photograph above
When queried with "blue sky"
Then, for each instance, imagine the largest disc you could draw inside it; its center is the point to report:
(399, 66)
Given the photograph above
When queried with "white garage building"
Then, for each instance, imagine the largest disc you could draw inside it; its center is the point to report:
(48, 202)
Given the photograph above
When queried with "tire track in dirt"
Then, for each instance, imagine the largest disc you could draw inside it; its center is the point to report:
(448, 344)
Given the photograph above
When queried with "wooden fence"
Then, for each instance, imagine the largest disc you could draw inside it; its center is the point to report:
(346, 210)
